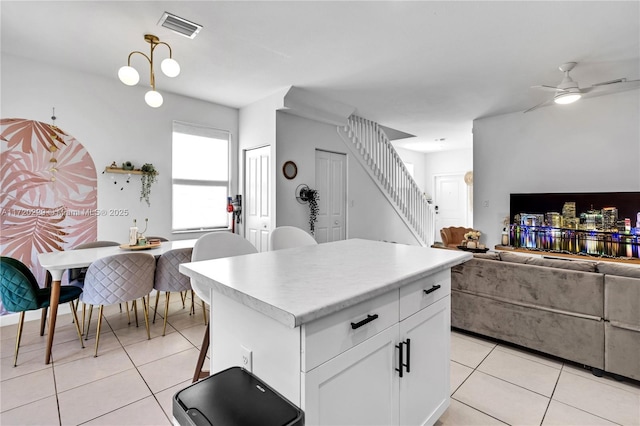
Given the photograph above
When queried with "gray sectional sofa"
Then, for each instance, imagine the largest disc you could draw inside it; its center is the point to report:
(582, 311)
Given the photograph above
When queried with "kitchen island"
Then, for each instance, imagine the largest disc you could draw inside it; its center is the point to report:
(353, 332)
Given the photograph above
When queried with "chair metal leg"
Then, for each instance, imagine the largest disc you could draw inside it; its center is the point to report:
(199, 374)
(145, 309)
(84, 310)
(155, 311)
(75, 318)
(18, 338)
(166, 311)
(183, 296)
(86, 334)
(193, 306)
(95, 355)
(126, 307)
(134, 306)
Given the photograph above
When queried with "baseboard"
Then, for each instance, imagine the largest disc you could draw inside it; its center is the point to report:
(10, 319)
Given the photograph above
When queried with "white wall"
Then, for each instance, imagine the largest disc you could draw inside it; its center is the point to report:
(113, 122)
(418, 159)
(369, 214)
(590, 146)
(446, 163)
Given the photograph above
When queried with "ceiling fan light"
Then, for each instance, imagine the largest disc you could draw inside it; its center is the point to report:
(566, 98)
(128, 75)
(170, 67)
(153, 99)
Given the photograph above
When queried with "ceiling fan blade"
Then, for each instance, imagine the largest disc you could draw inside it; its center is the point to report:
(613, 86)
(540, 105)
(548, 88)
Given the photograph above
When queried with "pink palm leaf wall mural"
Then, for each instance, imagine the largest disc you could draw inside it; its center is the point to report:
(48, 192)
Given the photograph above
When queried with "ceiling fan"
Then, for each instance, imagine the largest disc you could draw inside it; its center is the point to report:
(568, 90)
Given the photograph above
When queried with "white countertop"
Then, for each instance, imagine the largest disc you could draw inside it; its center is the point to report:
(298, 285)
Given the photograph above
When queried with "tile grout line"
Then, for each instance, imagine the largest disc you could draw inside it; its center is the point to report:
(551, 397)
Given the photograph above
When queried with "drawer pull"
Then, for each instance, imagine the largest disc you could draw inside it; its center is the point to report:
(432, 289)
(400, 358)
(367, 320)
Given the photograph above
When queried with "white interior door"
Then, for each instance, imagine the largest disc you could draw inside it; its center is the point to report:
(451, 201)
(331, 183)
(257, 200)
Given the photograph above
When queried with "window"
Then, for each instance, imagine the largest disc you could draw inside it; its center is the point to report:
(200, 177)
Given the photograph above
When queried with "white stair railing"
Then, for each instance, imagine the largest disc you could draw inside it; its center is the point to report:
(374, 150)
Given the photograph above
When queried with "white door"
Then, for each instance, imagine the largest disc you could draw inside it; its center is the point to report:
(257, 200)
(450, 200)
(331, 183)
(424, 386)
(358, 387)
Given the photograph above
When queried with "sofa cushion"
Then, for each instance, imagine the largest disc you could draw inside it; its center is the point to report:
(491, 255)
(513, 258)
(574, 265)
(577, 339)
(576, 292)
(612, 268)
(622, 299)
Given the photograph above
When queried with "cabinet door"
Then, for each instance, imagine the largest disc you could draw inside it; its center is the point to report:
(424, 386)
(357, 387)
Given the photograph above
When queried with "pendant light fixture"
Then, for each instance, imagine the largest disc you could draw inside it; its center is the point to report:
(129, 76)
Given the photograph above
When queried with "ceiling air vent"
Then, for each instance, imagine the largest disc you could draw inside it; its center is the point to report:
(179, 25)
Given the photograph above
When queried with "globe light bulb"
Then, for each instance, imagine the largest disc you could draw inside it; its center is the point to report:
(128, 75)
(153, 98)
(170, 67)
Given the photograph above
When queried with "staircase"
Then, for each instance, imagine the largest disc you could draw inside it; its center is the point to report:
(373, 149)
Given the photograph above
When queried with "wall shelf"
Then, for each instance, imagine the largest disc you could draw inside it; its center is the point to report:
(122, 171)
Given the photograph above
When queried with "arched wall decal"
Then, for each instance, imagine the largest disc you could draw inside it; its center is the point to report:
(48, 191)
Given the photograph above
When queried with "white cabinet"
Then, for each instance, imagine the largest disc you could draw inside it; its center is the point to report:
(340, 360)
(398, 376)
(358, 387)
(424, 386)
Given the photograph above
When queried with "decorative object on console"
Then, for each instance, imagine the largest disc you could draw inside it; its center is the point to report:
(129, 76)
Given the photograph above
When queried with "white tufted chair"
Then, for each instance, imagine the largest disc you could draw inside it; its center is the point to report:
(214, 245)
(284, 237)
(116, 279)
(169, 279)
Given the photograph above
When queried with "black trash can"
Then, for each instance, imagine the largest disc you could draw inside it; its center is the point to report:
(233, 397)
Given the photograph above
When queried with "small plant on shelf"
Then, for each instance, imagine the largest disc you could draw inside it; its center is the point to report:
(149, 176)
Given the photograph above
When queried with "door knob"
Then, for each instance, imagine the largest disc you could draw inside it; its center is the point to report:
(335, 223)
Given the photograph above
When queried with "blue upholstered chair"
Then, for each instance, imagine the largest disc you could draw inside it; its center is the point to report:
(20, 292)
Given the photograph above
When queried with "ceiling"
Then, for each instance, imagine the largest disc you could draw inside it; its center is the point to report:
(427, 68)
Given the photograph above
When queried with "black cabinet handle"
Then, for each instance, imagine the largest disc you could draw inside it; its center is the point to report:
(367, 320)
(432, 289)
(401, 353)
(408, 364)
(400, 358)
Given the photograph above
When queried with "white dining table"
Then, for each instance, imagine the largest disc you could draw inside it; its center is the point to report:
(59, 261)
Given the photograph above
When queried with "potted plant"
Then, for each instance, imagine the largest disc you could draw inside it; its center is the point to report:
(149, 176)
(311, 196)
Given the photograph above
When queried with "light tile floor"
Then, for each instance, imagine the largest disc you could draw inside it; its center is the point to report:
(133, 380)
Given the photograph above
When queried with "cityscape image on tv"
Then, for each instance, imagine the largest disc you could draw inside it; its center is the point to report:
(597, 231)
